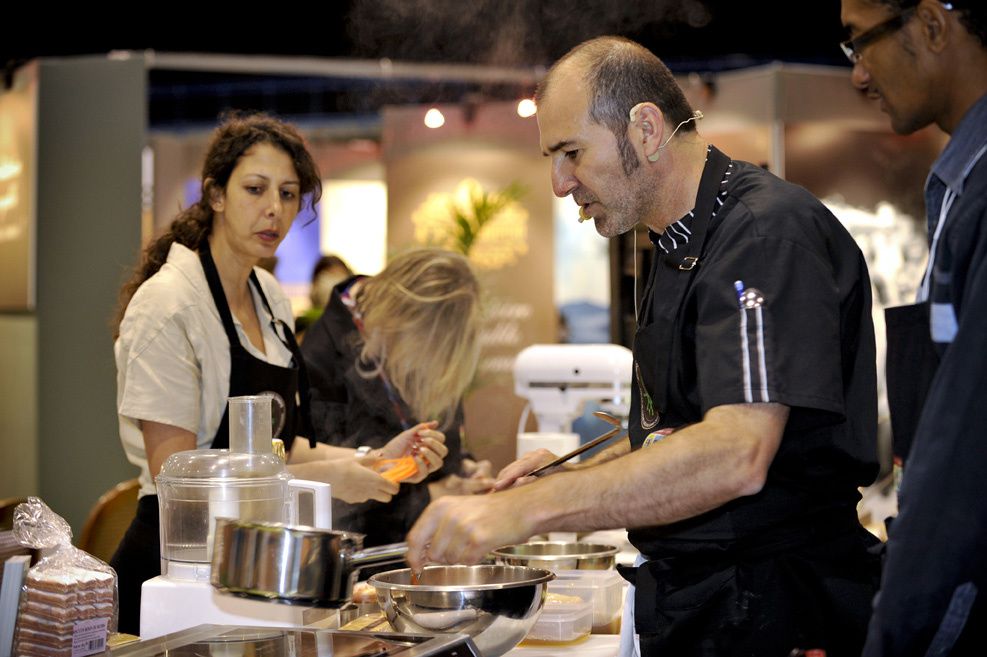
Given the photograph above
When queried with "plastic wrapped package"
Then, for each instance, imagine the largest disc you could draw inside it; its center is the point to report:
(68, 604)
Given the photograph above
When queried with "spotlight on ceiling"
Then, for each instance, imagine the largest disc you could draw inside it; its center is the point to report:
(434, 118)
(526, 107)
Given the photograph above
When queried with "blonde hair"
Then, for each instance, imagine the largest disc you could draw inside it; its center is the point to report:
(421, 320)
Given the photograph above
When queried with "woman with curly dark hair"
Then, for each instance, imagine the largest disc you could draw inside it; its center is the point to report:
(199, 323)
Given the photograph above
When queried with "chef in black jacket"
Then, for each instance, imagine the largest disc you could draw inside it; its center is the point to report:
(753, 413)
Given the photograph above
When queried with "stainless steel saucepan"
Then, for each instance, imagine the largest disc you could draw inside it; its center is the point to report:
(292, 565)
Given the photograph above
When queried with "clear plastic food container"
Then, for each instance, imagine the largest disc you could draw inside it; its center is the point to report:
(604, 589)
(562, 622)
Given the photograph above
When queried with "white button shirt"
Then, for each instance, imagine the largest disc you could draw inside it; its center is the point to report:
(173, 357)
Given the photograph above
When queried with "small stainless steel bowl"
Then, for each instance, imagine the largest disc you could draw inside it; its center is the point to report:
(495, 605)
(555, 555)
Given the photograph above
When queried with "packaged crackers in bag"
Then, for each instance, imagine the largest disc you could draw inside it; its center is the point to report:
(68, 603)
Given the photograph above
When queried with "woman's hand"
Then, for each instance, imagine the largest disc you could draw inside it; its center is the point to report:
(424, 443)
(361, 483)
(352, 479)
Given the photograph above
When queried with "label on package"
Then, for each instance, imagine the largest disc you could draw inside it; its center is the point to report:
(89, 637)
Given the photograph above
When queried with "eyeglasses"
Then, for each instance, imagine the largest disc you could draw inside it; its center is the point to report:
(852, 47)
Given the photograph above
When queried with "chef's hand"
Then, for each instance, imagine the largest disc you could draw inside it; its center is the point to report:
(515, 474)
(464, 529)
(353, 480)
(424, 443)
(474, 477)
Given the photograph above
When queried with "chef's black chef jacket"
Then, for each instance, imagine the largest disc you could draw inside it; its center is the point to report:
(758, 295)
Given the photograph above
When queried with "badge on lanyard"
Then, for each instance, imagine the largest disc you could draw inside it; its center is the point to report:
(649, 414)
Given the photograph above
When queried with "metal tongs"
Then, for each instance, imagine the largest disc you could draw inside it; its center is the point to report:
(606, 417)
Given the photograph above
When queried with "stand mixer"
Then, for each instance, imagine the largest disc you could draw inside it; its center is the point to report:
(195, 487)
(557, 379)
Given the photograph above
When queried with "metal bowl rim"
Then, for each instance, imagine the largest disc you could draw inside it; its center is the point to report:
(539, 576)
(603, 550)
(294, 530)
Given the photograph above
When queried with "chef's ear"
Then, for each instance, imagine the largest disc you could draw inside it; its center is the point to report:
(646, 127)
(217, 199)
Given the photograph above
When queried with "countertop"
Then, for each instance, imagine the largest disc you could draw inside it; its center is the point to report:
(597, 645)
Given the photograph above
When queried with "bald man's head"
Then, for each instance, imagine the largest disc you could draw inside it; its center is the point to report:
(619, 74)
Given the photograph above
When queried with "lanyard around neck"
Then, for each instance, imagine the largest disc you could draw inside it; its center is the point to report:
(947, 203)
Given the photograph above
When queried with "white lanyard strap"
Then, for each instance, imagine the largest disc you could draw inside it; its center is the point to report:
(947, 203)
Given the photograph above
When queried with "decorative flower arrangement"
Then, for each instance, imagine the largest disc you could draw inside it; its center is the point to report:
(490, 228)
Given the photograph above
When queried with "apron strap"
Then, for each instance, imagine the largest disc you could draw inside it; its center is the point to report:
(219, 296)
(303, 426)
(688, 257)
(706, 201)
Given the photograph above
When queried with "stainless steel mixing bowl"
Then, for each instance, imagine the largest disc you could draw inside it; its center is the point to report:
(495, 605)
(555, 555)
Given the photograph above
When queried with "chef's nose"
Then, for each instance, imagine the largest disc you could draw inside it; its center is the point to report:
(563, 182)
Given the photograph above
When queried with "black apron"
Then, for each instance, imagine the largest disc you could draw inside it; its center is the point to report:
(658, 326)
(252, 376)
(710, 598)
(911, 364)
(138, 557)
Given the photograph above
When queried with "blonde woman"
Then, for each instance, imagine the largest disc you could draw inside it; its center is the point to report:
(389, 352)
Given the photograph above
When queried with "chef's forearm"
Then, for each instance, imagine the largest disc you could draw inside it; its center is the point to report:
(688, 473)
(692, 471)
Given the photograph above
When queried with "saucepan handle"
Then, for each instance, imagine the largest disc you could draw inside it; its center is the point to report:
(378, 555)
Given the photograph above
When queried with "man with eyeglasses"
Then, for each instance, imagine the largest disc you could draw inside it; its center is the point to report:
(926, 62)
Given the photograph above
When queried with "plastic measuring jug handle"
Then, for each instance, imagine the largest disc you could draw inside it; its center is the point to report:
(311, 503)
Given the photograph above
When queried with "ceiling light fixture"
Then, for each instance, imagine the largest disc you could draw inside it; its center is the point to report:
(434, 118)
(526, 107)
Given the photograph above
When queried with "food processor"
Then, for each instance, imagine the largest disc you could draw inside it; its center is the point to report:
(195, 487)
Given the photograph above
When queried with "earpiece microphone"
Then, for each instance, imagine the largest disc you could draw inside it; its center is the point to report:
(695, 117)
(632, 116)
